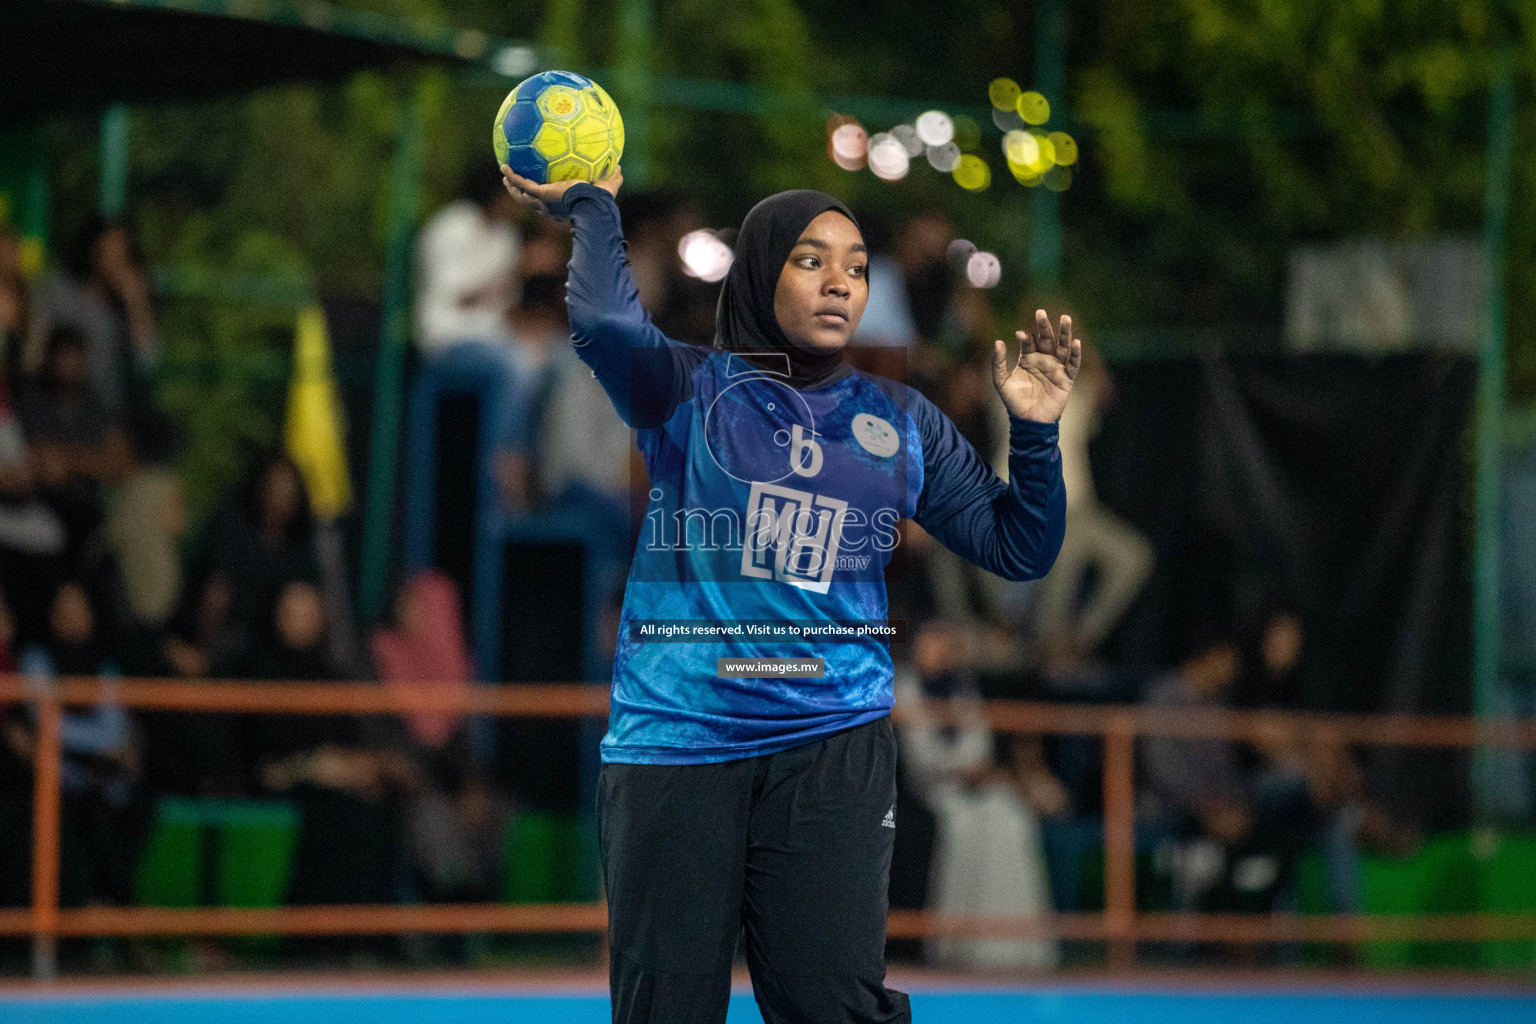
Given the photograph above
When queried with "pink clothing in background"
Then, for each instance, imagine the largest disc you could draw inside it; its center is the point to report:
(426, 654)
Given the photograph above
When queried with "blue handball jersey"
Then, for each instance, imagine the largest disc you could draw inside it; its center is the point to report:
(769, 505)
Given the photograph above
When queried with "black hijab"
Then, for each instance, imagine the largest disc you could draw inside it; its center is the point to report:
(745, 322)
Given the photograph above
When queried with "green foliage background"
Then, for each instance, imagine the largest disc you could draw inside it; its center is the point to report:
(1215, 135)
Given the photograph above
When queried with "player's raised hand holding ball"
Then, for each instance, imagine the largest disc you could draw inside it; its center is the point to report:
(553, 130)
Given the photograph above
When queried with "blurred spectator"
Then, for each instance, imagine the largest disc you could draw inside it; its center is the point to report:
(654, 223)
(1120, 557)
(103, 295)
(76, 442)
(574, 452)
(29, 529)
(1242, 832)
(546, 247)
(466, 261)
(345, 787)
(921, 253)
(454, 821)
(15, 303)
(144, 528)
(541, 337)
(988, 858)
(104, 817)
(425, 652)
(1200, 778)
(258, 545)
(1311, 776)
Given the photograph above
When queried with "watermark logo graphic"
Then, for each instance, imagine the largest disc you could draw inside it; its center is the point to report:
(804, 452)
(745, 431)
(792, 536)
(875, 435)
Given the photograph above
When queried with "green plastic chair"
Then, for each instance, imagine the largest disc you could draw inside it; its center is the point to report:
(1507, 885)
(549, 858)
(241, 849)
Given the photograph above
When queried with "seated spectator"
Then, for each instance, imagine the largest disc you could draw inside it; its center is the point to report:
(103, 296)
(104, 816)
(454, 820)
(1312, 772)
(426, 652)
(988, 858)
(259, 544)
(345, 786)
(185, 753)
(144, 529)
(76, 443)
(1240, 838)
(32, 536)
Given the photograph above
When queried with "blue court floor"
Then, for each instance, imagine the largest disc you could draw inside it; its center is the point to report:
(1048, 1003)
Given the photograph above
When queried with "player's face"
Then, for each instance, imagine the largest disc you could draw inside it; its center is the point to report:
(823, 286)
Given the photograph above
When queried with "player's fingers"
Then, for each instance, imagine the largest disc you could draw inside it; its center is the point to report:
(1075, 361)
(1000, 361)
(1064, 339)
(518, 186)
(1045, 336)
(1026, 342)
(613, 182)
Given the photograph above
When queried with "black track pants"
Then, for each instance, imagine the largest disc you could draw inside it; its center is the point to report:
(796, 846)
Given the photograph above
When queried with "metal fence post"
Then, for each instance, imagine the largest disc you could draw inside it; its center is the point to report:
(1120, 838)
(45, 831)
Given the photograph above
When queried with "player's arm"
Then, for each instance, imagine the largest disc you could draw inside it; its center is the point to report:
(1013, 529)
(645, 373)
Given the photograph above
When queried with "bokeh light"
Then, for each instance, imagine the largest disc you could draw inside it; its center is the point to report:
(983, 270)
(935, 128)
(1033, 108)
(1021, 148)
(1047, 149)
(704, 255)
(1004, 93)
(1027, 174)
(1058, 179)
(945, 158)
(967, 134)
(849, 146)
(959, 253)
(1066, 148)
(888, 157)
(1007, 120)
(907, 136)
(972, 174)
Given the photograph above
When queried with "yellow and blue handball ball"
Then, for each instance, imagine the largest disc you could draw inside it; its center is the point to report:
(559, 126)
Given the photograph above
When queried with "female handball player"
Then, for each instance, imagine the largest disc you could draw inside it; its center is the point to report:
(739, 788)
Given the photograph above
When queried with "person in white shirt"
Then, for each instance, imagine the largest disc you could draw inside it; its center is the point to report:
(466, 261)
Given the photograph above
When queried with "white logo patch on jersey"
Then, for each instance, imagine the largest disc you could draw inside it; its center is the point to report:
(875, 435)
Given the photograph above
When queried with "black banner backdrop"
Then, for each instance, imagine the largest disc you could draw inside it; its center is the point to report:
(1332, 485)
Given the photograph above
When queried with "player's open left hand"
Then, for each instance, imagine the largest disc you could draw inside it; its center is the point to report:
(546, 197)
(1037, 386)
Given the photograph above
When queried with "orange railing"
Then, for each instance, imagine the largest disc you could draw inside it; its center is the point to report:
(1121, 925)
